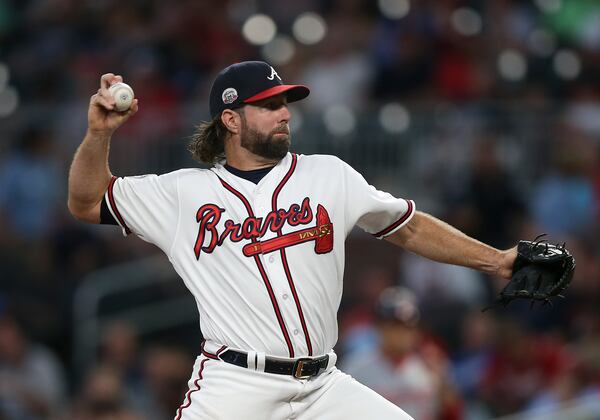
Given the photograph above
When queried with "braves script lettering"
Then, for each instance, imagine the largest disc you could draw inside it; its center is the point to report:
(209, 215)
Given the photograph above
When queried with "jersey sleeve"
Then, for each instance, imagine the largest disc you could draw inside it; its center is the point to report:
(376, 212)
(146, 205)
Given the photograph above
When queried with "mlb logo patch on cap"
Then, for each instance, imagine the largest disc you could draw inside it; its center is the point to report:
(229, 96)
(247, 82)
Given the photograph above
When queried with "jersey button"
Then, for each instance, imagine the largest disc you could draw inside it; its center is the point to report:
(296, 332)
(285, 296)
(271, 259)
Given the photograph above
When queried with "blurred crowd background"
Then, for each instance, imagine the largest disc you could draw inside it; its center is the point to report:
(486, 113)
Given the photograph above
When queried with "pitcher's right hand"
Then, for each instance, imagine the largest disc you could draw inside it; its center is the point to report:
(103, 119)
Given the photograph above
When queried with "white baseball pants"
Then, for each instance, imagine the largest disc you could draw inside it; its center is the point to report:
(222, 391)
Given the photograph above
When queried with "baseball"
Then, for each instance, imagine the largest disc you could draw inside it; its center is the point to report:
(123, 95)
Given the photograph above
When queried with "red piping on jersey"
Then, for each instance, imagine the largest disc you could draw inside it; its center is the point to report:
(188, 395)
(210, 355)
(286, 266)
(111, 200)
(263, 273)
(397, 223)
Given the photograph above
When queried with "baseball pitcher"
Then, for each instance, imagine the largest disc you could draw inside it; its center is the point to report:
(258, 240)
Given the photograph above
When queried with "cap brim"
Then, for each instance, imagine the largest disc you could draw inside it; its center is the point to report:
(293, 93)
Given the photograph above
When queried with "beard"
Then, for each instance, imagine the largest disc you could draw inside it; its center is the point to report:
(273, 145)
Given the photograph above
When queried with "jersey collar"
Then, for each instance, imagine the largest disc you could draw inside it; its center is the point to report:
(274, 176)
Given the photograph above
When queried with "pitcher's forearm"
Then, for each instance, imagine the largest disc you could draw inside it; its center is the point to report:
(434, 239)
(89, 175)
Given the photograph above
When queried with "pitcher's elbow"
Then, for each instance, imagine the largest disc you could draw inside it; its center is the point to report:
(80, 213)
(74, 209)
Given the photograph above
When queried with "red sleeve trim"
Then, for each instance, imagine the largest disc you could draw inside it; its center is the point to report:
(397, 223)
(113, 206)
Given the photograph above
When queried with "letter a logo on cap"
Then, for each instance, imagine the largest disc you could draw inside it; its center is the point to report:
(273, 74)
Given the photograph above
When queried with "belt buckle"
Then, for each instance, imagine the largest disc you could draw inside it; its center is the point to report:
(298, 366)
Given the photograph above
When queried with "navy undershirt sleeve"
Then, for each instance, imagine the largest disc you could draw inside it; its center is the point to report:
(106, 217)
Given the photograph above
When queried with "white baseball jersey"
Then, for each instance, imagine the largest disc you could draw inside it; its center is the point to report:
(265, 261)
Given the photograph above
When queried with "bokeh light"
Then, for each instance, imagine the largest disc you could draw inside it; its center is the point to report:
(9, 101)
(394, 118)
(549, 6)
(309, 28)
(466, 21)
(280, 50)
(394, 9)
(339, 120)
(297, 119)
(259, 29)
(4, 75)
(541, 43)
(512, 65)
(567, 64)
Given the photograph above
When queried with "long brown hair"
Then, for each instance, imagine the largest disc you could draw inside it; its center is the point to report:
(208, 142)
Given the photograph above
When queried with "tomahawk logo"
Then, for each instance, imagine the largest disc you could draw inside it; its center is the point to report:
(273, 74)
(252, 228)
(322, 234)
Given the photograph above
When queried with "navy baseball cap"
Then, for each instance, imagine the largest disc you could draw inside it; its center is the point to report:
(247, 82)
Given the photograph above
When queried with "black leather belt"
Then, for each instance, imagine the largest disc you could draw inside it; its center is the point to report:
(303, 368)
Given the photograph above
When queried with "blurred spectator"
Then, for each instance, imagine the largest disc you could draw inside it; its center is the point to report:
(569, 392)
(521, 365)
(583, 110)
(587, 350)
(341, 74)
(583, 298)
(357, 332)
(119, 350)
(31, 186)
(487, 205)
(470, 361)
(77, 250)
(563, 201)
(102, 397)
(32, 382)
(578, 388)
(405, 368)
(444, 292)
(404, 54)
(165, 375)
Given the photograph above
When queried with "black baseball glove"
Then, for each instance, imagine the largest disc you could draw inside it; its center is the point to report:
(541, 271)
